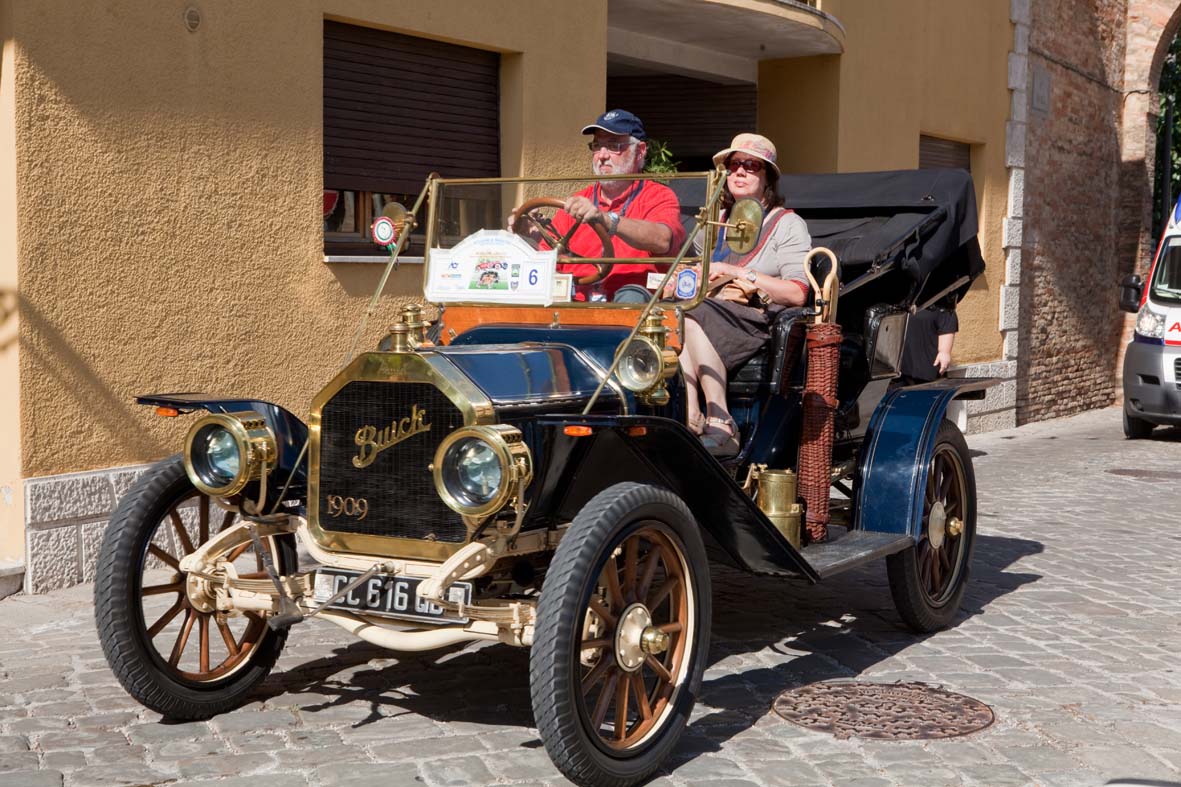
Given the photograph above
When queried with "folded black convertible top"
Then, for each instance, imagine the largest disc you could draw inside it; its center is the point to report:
(919, 222)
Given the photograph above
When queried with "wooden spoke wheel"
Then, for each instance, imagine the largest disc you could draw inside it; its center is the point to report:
(928, 579)
(161, 632)
(621, 637)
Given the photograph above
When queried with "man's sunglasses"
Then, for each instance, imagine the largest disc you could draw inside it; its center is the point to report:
(614, 147)
(754, 166)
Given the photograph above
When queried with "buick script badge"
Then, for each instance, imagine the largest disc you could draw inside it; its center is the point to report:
(372, 442)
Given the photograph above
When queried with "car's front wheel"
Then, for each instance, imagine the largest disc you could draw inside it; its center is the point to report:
(622, 636)
(181, 658)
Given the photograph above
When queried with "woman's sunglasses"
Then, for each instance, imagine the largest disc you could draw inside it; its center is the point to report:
(753, 166)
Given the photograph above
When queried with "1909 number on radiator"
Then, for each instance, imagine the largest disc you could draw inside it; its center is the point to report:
(357, 507)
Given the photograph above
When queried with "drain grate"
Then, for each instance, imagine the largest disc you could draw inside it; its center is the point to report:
(886, 711)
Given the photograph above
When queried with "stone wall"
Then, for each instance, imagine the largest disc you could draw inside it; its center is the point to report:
(67, 515)
(1069, 239)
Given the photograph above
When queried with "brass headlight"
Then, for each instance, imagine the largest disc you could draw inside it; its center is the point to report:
(224, 452)
(644, 367)
(478, 468)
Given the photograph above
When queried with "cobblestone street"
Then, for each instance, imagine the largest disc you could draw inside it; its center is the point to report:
(1069, 631)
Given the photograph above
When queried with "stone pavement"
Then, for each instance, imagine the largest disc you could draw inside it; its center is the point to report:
(1070, 631)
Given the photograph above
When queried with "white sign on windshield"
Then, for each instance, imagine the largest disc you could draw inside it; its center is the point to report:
(491, 266)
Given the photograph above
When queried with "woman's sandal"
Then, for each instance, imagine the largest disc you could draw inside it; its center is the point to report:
(697, 424)
(721, 436)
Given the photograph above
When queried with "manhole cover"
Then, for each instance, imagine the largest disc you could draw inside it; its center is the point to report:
(1151, 475)
(890, 711)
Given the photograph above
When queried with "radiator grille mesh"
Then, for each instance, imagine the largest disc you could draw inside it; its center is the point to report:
(397, 486)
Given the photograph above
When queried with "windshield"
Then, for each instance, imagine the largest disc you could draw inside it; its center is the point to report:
(512, 241)
(1166, 277)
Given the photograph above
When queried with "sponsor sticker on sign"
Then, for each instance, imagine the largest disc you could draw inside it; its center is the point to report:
(383, 231)
(491, 266)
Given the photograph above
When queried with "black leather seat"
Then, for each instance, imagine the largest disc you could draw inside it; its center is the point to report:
(763, 374)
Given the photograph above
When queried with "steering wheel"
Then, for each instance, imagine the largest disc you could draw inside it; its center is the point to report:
(525, 218)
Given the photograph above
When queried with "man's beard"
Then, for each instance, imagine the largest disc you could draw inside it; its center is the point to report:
(629, 168)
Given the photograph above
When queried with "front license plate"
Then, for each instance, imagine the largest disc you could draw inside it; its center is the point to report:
(394, 597)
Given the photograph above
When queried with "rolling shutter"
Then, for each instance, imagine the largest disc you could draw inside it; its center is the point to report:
(398, 107)
(694, 117)
(935, 152)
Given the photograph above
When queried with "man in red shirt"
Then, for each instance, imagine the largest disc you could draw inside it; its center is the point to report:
(641, 217)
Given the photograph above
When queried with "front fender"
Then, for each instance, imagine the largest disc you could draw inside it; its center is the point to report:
(896, 453)
(659, 451)
(291, 434)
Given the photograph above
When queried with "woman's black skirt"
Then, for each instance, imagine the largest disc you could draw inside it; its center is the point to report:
(737, 332)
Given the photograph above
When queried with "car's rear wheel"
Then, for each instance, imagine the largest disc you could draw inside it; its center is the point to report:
(928, 579)
(182, 659)
(622, 635)
(1135, 428)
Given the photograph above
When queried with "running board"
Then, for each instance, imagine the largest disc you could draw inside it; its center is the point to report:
(848, 549)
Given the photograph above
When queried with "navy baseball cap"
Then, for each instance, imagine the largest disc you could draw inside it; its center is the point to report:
(618, 121)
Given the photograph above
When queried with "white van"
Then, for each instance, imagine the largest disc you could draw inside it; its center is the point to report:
(1152, 365)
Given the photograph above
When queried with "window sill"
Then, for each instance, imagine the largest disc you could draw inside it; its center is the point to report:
(368, 259)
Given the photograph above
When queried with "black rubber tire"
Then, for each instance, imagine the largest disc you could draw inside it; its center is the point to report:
(119, 616)
(1135, 428)
(917, 609)
(605, 522)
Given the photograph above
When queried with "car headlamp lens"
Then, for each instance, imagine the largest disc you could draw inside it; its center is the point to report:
(223, 459)
(475, 470)
(641, 366)
(225, 451)
(1150, 324)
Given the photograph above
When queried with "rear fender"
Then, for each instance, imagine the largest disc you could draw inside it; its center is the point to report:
(659, 451)
(291, 434)
(896, 453)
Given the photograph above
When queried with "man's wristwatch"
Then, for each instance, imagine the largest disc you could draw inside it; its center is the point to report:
(612, 222)
(751, 276)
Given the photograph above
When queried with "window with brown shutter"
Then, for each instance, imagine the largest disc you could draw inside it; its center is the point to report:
(935, 152)
(396, 108)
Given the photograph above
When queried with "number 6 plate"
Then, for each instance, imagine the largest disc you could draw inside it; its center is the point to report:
(385, 595)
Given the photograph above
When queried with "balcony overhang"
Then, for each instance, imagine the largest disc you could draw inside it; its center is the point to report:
(719, 40)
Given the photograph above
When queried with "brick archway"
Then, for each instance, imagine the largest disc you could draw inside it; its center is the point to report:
(1151, 26)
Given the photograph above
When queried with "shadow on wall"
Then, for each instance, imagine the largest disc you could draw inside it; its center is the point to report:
(8, 322)
(111, 418)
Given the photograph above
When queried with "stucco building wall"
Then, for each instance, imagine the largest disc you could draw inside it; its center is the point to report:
(915, 67)
(11, 498)
(170, 184)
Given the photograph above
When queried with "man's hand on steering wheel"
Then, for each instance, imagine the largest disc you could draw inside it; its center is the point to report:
(523, 221)
(583, 210)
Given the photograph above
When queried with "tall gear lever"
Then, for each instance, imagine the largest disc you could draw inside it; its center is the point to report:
(820, 396)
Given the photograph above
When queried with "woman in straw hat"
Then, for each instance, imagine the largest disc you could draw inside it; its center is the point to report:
(733, 324)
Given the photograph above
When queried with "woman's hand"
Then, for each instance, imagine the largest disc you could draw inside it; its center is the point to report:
(719, 269)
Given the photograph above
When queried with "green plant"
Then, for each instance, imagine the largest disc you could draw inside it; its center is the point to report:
(660, 158)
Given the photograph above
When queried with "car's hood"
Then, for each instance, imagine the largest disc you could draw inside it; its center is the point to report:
(534, 377)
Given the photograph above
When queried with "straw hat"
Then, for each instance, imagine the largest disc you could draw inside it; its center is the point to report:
(755, 145)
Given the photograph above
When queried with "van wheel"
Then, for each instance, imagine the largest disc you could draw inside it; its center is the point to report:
(1136, 429)
(622, 636)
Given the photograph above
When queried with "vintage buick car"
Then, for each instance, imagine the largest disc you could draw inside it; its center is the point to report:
(521, 471)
